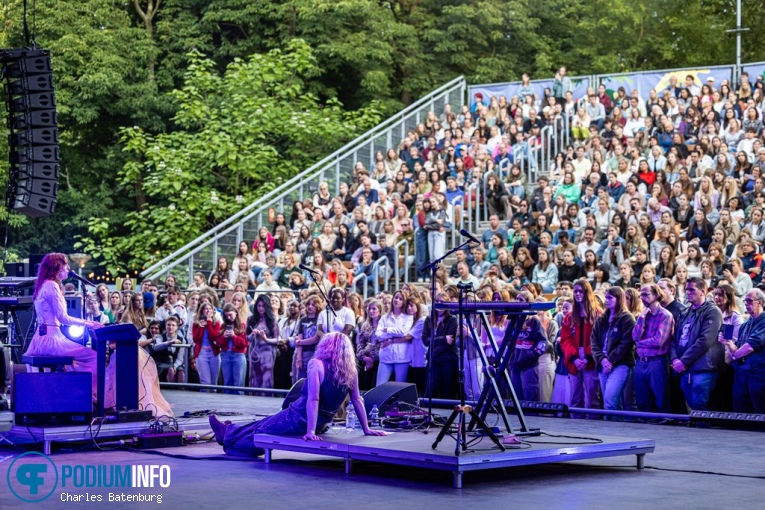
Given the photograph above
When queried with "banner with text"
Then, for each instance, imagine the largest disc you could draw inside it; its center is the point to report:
(659, 80)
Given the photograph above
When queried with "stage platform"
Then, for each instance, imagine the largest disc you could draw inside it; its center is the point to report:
(410, 448)
(414, 449)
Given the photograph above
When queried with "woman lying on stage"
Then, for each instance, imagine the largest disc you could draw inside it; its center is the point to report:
(331, 377)
(50, 308)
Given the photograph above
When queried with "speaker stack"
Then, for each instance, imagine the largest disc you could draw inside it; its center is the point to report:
(33, 139)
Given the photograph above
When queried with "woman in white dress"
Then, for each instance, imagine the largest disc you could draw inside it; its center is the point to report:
(50, 308)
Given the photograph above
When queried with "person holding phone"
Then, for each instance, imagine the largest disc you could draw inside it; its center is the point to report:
(232, 342)
(726, 301)
(575, 341)
(204, 331)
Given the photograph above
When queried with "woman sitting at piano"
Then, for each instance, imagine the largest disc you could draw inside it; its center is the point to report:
(50, 308)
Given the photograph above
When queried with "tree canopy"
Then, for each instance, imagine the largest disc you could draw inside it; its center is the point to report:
(238, 135)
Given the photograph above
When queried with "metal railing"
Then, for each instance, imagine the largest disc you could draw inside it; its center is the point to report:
(396, 266)
(201, 254)
(365, 280)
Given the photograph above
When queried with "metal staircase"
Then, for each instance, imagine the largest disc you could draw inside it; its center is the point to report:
(202, 253)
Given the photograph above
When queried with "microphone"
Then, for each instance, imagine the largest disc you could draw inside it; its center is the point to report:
(79, 278)
(467, 234)
(306, 268)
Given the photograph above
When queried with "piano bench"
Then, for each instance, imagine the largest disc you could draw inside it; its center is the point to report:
(54, 363)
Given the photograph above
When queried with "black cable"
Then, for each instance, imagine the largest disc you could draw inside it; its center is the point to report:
(33, 436)
(190, 457)
(143, 383)
(7, 227)
(692, 471)
(93, 438)
(34, 23)
(25, 25)
(589, 440)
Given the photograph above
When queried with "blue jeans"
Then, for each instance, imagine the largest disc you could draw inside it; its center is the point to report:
(612, 386)
(421, 252)
(234, 366)
(385, 370)
(748, 392)
(208, 366)
(436, 244)
(697, 388)
(652, 385)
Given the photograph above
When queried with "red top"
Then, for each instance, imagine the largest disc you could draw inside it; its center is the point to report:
(198, 334)
(238, 341)
(569, 343)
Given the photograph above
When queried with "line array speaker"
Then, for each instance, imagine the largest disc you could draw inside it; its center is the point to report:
(33, 139)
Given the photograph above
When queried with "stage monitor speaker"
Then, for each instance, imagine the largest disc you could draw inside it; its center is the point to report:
(16, 269)
(74, 306)
(52, 398)
(384, 395)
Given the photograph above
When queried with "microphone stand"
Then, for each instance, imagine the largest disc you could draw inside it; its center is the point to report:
(462, 411)
(328, 305)
(433, 266)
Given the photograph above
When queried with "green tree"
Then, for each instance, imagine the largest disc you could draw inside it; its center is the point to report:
(240, 133)
(100, 61)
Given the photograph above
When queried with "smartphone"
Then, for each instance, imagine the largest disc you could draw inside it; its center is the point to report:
(728, 331)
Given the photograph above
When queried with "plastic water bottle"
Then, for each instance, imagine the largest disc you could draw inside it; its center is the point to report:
(350, 418)
(374, 416)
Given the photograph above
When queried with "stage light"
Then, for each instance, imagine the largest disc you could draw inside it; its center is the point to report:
(539, 406)
(74, 333)
(729, 419)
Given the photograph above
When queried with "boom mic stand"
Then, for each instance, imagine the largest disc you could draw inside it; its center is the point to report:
(328, 305)
(462, 410)
(433, 266)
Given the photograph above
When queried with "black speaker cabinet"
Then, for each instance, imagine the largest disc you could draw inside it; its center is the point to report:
(52, 398)
(16, 269)
(384, 395)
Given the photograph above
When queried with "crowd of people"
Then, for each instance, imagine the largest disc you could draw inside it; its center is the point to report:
(647, 232)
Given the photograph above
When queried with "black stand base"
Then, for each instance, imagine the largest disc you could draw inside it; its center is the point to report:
(459, 412)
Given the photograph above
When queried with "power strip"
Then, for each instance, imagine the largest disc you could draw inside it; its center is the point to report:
(163, 440)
